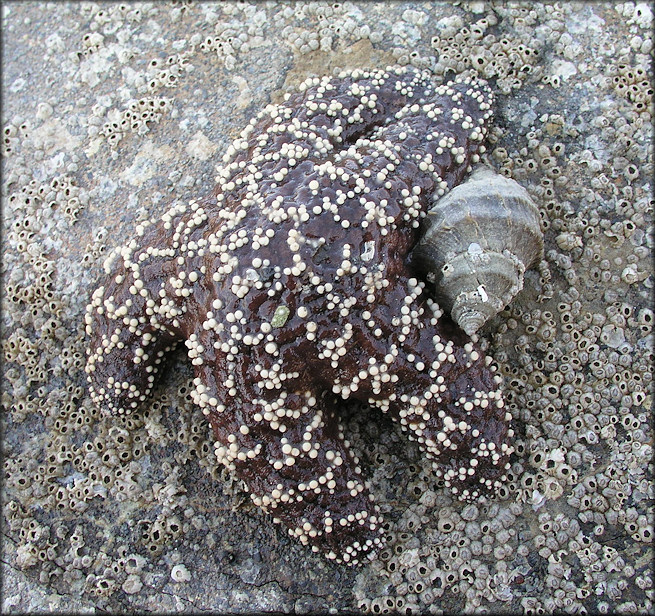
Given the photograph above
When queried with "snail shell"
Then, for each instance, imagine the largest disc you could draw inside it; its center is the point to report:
(478, 241)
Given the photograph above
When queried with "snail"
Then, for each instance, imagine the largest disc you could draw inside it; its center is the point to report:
(478, 241)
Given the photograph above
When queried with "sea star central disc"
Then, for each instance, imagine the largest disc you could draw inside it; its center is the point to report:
(291, 289)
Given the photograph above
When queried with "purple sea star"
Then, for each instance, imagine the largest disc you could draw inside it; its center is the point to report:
(292, 290)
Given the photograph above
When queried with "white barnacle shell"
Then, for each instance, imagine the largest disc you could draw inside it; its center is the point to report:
(477, 243)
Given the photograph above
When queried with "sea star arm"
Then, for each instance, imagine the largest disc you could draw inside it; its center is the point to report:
(429, 377)
(286, 443)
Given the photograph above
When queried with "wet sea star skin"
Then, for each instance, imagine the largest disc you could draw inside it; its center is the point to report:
(292, 289)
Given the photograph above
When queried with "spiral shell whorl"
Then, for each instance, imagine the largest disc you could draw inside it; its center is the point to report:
(478, 242)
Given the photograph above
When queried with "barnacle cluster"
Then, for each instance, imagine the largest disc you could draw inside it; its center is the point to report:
(116, 512)
(134, 119)
(509, 59)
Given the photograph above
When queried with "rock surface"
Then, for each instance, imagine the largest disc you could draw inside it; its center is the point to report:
(113, 112)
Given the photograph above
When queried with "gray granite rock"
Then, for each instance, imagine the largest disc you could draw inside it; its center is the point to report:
(111, 112)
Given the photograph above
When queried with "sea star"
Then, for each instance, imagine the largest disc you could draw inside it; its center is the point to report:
(292, 289)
